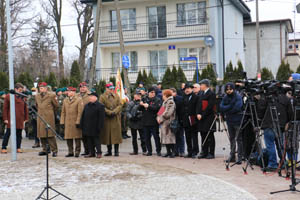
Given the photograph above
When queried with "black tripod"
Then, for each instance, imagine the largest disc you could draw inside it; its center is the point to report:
(47, 127)
(293, 148)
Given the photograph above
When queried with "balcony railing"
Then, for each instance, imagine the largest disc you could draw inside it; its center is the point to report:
(158, 71)
(152, 31)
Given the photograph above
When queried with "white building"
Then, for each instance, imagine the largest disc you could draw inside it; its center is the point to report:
(160, 33)
(274, 39)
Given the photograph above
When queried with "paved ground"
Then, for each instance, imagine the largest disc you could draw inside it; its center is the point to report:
(188, 171)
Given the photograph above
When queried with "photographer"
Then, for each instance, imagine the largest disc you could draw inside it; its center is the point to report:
(231, 107)
(284, 109)
(134, 115)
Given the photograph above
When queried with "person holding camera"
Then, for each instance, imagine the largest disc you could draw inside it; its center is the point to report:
(134, 114)
(231, 106)
(150, 106)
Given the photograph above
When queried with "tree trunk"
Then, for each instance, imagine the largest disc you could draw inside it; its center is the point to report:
(81, 61)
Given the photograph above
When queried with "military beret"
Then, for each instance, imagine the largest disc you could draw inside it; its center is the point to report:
(109, 86)
(43, 84)
(82, 84)
(72, 89)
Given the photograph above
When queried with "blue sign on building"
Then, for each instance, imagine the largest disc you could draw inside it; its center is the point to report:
(172, 47)
(126, 61)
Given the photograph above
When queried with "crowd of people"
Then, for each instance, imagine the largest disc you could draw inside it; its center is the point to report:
(173, 117)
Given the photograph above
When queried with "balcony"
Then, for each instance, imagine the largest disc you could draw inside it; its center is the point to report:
(157, 71)
(152, 31)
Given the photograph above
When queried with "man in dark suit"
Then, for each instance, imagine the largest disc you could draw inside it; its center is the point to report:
(205, 118)
(189, 121)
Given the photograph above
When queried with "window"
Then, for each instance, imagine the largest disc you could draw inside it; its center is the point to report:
(116, 61)
(297, 46)
(191, 13)
(128, 19)
(158, 63)
(199, 53)
(157, 22)
(290, 47)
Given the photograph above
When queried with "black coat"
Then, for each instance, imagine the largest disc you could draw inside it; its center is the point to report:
(150, 114)
(134, 114)
(189, 109)
(92, 119)
(208, 114)
(179, 104)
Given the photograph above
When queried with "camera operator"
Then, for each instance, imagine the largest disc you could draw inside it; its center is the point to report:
(284, 109)
(231, 106)
(134, 115)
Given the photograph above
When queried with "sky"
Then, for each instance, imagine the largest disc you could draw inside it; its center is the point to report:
(268, 10)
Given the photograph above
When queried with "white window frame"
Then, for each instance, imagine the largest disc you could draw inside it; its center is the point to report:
(186, 11)
(126, 27)
(120, 61)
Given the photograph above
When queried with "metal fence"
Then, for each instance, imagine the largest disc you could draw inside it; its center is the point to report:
(153, 31)
(158, 71)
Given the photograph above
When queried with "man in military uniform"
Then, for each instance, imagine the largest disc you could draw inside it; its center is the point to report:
(46, 105)
(60, 99)
(2, 125)
(85, 98)
(33, 117)
(70, 119)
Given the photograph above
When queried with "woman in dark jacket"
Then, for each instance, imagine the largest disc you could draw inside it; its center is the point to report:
(92, 123)
(134, 114)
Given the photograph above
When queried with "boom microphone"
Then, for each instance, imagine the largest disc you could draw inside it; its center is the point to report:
(17, 93)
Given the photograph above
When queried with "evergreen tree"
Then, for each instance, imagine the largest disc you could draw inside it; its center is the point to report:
(122, 76)
(195, 76)
(145, 78)
(75, 77)
(51, 80)
(298, 69)
(239, 71)
(25, 79)
(181, 78)
(100, 87)
(284, 71)
(4, 82)
(139, 79)
(229, 73)
(167, 80)
(209, 73)
(266, 74)
(112, 79)
(64, 82)
(174, 76)
(151, 80)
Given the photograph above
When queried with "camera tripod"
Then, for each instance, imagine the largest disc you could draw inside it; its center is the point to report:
(47, 188)
(293, 144)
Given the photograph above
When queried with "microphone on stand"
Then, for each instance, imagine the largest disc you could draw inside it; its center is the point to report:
(17, 93)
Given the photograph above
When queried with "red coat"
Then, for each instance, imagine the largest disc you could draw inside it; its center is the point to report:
(21, 112)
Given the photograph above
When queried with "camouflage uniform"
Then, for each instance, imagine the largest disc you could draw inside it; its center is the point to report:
(2, 125)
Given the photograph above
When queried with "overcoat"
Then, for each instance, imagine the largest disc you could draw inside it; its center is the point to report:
(70, 116)
(46, 107)
(112, 122)
(21, 112)
(167, 136)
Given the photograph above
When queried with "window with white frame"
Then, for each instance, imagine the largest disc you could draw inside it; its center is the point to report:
(158, 63)
(128, 19)
(191, 13)
(116, 61)
(199, 53)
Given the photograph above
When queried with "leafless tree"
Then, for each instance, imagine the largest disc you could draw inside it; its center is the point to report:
(19, 18)
(53, 8)
(85, 28)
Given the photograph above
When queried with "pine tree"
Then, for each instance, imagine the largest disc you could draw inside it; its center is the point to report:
(100, 87)
(64, 82)
(209, 73)
(25, 79)
(167, 80)
(139, 79)
(75, 77)
(145, 78)
(195, 77)
(266, 74)
(4, 82)
(239, 71)
(151, 80)
(181, 78)
(229, 73)
(284, 71)
(112, 79)
(298, 69)
(174, 76)
(51, 80)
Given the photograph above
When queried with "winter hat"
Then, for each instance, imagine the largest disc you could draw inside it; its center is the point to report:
(229, 86)
(188, 85)
(151, 89)
(205, 82)
(93, 94)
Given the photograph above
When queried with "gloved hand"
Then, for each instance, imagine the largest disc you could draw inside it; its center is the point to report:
(62, 126)
(78, 126)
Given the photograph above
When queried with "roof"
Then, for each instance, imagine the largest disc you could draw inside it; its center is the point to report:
(276, 21)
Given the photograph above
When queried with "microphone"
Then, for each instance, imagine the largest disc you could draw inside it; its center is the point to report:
(17, 93)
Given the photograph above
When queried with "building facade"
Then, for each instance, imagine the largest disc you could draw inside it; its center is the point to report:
(170, 33)
(274, 39)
